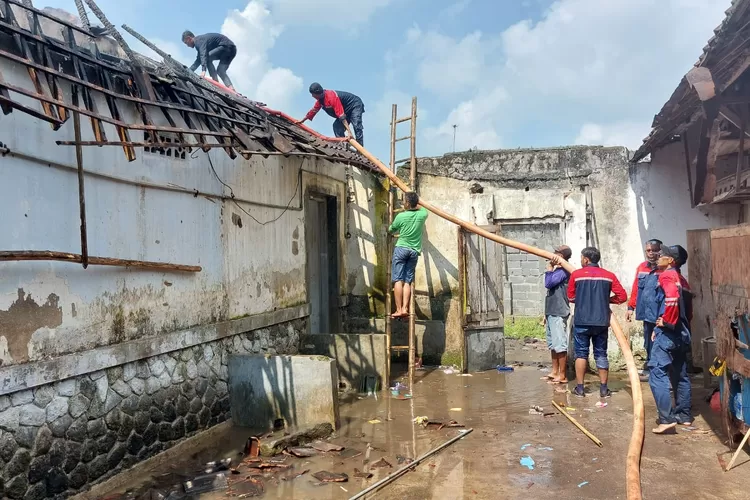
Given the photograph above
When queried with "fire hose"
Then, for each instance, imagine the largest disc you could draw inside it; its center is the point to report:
(633, 463)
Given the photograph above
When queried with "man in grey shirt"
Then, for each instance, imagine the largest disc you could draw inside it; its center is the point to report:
(556, 312)
(212, 47)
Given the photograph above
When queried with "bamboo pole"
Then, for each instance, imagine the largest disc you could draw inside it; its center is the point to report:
(739, 448)
(18, 255)
(81, 192)
(633, 463)
(577, 424)
(412, 299)
(388, 280)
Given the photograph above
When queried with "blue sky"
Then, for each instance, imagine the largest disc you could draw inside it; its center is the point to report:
(509, 73)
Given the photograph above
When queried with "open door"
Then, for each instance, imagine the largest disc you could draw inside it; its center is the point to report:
(321, 226)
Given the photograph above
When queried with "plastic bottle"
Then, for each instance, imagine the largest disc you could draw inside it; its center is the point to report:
(502, 368)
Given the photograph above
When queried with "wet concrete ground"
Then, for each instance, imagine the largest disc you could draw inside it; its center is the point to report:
(486, 464)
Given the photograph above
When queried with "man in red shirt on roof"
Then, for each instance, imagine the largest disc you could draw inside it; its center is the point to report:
(593, 289)
(345, 107)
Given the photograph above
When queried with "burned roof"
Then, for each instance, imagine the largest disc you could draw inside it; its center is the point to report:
(727, 57)
(56, 48)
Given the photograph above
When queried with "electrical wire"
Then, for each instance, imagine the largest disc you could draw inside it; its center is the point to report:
(231, 192)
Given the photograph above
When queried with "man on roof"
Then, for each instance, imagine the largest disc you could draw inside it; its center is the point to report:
(345, 107)
(212, 47)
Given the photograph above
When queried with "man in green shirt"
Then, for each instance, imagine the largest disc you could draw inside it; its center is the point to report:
(409, 225)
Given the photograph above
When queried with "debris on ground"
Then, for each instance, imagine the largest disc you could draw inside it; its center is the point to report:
(252, 447)
(268, 465)
(294, 475)
(525, 446)
(218, 466)
(362, 475)
(331, 477)
(302, 452)
(502, 368)
(600, 404)
(324, 447)
(402, 459)
(456, 409)
(421, 420)
(437, 425)
(546, 448)
(373, 421)
(350, 453)
(381, 464)
(583, 484)
(206, 483)
(536, 410)
(528, 462)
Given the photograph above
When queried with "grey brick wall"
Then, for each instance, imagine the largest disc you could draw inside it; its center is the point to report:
(523, 273)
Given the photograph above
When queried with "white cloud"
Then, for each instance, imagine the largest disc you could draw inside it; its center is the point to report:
(628, 134)
(453, 10)
(446, 65)
(345, 15)
(254, 30)
(598, 70)
(474, 124)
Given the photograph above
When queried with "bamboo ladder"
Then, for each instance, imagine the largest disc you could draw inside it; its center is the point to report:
(412, 159)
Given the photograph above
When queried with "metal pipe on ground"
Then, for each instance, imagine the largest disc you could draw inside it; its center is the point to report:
(406, 468)
(635, 448)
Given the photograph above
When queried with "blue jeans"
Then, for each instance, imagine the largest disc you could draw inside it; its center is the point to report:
(404, 265)
(557, 333)
(669, 357)
(596, 335)
(648, 329)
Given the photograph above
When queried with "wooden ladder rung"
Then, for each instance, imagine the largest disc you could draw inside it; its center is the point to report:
(399, 347)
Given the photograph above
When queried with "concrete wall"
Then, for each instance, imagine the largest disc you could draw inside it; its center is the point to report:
(299, 391)
(530, 192)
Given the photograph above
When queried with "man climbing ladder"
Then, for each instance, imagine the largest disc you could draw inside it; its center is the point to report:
(409, 225)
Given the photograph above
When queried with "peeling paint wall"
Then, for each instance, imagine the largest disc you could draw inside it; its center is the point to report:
(512, 188)
(156, 208)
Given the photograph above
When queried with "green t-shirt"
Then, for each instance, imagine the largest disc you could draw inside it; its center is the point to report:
(409, 225)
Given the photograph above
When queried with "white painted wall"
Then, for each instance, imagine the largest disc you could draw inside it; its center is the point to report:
(246, 270)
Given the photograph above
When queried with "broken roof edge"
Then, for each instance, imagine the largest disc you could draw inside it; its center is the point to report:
(676, 106)
(211, 109)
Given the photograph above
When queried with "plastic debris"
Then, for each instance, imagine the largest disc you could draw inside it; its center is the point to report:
(600, 470)
(421, 420)
(601, 404)
(583, 484)
(528, 462)
(502, 368)
(570, 408)
(374, 421)
(525, 446)
(546, 448)
(401, 459)
(204, 484)
(456, 409)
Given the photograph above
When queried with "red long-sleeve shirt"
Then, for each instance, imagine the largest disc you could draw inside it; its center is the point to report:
(674, 286)
(331, 101)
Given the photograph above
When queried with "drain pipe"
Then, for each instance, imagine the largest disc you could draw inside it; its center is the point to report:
(407, 468)
(635, 448)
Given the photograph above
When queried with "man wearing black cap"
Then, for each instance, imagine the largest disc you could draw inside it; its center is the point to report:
(212, 47)
(345, 107)
(556, 312)
(671, 343)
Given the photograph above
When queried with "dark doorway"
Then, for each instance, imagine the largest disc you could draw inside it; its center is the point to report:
(321, 215)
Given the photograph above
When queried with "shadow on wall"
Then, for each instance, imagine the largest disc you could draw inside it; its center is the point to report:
(360, 358)
(276, 392)
(445, 269)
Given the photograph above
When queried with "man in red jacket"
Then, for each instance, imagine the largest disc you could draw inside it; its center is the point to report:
(671, 338)
(345, 107)
(643, 300)
(593, 289)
